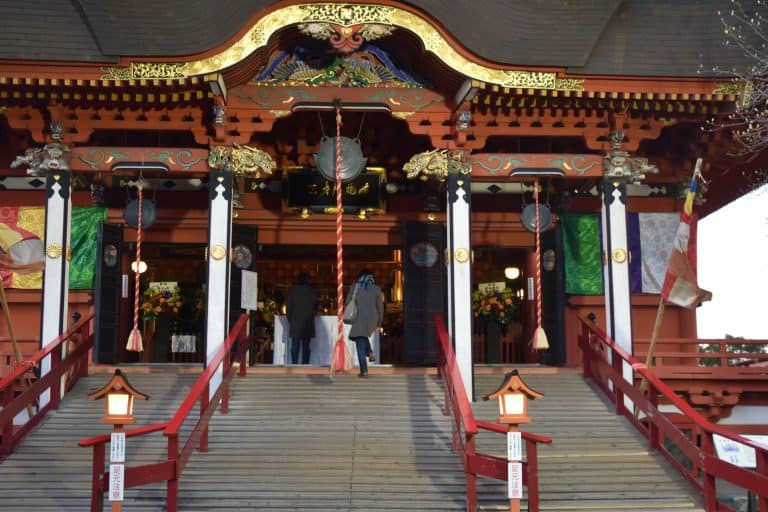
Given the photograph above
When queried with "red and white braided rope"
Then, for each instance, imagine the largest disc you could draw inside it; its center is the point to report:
(339, 237)
(134, 339)
(538, 255)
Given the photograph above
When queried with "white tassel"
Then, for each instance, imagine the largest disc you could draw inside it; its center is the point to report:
(540, 341)
(135, 343)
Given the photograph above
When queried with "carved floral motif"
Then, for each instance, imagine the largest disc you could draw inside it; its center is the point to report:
(242, 160)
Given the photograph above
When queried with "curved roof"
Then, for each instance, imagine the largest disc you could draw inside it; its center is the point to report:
(594, 37)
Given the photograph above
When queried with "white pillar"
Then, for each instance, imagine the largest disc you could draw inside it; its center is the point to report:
(58, 217)
(217, 297)
(460, 275)
(618, 304)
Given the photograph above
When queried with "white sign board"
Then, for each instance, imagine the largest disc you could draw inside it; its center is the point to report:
(737, 453)
(249, 291)
(116, 482)
(514, 445)
(487, 288)
(531, 286)
(514, 480)
(117, 447)
(163, 286)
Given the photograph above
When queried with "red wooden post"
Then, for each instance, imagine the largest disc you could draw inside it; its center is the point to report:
(172, 485)
(56, 385)
(708, 480)
(471, 477)
(584, 343)
(653, 426)
(762, 469)
(618, 395)
(6, 444)
(533, 475)
(97, 478)
(85, 334)
(204, 399)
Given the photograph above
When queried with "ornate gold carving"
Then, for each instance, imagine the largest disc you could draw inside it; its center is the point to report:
(569, 84)
(116, 73)
(149, 70)
(436, 164)
(735, 87)
(218, 252)
(619, 255)
(374, 31)
(462, 255)
(53, 251)
(345, 15)
(320, 31)
(280, 113)
(428, 164)
(69, 253)
(242, 160)
(402, 115)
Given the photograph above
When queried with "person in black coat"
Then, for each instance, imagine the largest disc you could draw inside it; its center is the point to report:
(300, 312)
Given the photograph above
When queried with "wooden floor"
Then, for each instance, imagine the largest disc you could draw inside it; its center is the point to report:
(377, 444)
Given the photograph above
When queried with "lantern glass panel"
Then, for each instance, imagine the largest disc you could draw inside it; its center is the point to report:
(512, 404)
(118, 404)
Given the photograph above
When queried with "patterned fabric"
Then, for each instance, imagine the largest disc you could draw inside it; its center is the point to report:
(656, 234)
(83, 240)
(581, 248)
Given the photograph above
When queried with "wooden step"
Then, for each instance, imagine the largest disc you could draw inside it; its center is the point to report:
(305, 442)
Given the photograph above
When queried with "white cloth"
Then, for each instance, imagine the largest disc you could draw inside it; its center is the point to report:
(320, 346)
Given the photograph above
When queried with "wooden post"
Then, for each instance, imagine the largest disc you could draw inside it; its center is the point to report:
(16, 350)
(651, 347)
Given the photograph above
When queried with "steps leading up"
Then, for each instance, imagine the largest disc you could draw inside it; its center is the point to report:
(304, 442)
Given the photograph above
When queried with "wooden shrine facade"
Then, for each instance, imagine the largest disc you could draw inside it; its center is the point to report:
(411, 91)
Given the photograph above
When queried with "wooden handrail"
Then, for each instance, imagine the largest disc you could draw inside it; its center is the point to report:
(28, 399)
(706, 466)
(465, 429)
(170, 470)
(201, 385)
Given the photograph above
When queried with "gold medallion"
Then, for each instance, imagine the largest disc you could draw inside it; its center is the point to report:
(218, 252)
(619, 255)
(53, 251)
(462, 255)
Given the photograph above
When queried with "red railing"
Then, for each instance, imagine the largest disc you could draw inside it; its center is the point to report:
(21, 390)
(691, 453)
(179, 450)
(465, 429)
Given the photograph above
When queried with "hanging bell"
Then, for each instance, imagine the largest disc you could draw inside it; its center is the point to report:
(148, 213)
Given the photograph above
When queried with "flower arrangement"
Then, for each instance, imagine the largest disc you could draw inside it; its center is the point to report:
(156, 302)
(501, 306)
(269, 310)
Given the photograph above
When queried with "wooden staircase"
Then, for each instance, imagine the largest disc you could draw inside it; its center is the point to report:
(305, 442)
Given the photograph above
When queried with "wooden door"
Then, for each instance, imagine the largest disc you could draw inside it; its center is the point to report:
(107, 287)
(424, 291)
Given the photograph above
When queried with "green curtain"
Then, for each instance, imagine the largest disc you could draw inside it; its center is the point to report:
(84, 242)
(583, 264)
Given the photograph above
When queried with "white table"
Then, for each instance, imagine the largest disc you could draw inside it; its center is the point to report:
(320, 346)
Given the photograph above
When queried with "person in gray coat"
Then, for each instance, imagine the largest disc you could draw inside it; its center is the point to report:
(300, 312)
(370, 315)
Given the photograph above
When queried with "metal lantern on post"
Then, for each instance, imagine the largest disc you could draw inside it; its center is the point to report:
(513, 396)
(118, 395)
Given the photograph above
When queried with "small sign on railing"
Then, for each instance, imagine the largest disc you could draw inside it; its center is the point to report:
(738, 453)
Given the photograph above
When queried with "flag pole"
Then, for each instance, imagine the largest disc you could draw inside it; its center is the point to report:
(660, 311)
